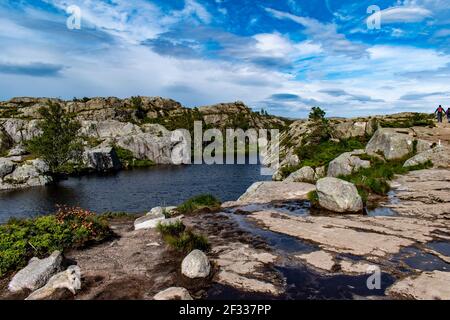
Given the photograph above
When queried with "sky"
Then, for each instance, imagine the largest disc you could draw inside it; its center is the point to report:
(285, 56)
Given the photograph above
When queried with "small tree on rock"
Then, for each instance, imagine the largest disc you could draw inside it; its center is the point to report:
(319, 127)
(59, 142)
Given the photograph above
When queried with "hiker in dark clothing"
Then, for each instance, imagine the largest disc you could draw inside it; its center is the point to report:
(440, 113)
(448, 115)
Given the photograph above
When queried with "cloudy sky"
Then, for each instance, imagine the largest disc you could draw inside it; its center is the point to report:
(281, 55)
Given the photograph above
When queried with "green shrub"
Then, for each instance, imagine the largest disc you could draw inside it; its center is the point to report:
(172, 229)
(313, 197)
(323, 153)
(127, 159)
(59, 142)
(68, 228)
(374, 180)
(179, 238)
(199, 203)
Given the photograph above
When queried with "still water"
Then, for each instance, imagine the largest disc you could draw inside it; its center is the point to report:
(134, 191)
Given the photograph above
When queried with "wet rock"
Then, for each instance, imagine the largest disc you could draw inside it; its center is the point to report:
(338, 195)
(36, 273)
(319, 259)
(394, 143)
(427, 286)
(268, 191)
(173, 293)
(6, 167)
(358, 235)
(246, 268)
(196, 265)
(102, 159)
(346, 164)
(69, 279)
(439, 156)
(305, 174)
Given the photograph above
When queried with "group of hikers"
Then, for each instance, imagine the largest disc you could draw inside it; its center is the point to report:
(440, 113)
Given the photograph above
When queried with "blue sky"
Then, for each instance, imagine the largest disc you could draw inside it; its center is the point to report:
(281, 55)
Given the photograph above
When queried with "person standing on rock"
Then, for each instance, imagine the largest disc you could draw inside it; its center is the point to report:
(448, 115)
(439, 113)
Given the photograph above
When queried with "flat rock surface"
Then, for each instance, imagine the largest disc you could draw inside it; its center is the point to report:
(269, 191)
(427, 286)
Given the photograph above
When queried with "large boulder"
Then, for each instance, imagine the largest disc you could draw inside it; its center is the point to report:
(146, 146)
(36, 273)
(395, 143)
(173, 293)
(102, 159)
(6, 167)
(21, 130)
(272, 191)
(196, 265)
(349, 128)
(439, 156)
(346, 164)
(30, 174)
(338, 195)
(305, 174)
(69, 279)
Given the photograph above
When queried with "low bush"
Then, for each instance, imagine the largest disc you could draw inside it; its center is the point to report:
(179, 238)
(127, 159)
(199, 203)
(68, 228)
(374, 180)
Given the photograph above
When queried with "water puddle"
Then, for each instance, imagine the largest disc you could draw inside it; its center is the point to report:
(279, 242)
(441, 247)
(414, 258)
(304, 284)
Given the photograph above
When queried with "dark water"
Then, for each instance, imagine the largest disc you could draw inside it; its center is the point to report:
(135, 191)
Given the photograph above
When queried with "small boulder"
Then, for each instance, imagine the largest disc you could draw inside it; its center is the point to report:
(173, 293)
(196, 265)
(155, 216)
(102, 159)
(36, 273)
(305, 174)
(346, 164)
(338, 195)
(6, 167)
(69, 279)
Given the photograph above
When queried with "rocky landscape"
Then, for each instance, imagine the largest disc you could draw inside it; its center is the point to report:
(316, 233)
(141, 126)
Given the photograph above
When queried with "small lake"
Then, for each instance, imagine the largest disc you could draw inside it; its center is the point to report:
(133, 191)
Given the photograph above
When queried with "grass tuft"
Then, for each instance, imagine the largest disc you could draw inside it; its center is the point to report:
(181, 239)
(204, 202)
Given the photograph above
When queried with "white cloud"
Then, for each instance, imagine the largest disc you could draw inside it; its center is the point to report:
(403, 15)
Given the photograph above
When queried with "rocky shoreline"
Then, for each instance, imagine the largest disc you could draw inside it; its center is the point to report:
(311, 236)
